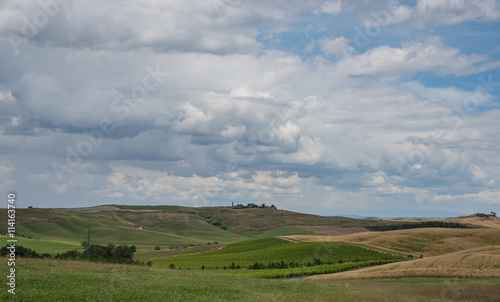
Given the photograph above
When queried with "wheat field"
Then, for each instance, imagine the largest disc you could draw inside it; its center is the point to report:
(426, 242)
(474, 263)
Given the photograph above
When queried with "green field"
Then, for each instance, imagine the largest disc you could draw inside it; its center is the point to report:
(273, 250)
(303, 271)
(51, 280)
(44, 246)
(161, 228)
(163, 225)
(279, 231)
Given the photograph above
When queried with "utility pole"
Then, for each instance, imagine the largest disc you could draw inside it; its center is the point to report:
(88, 246)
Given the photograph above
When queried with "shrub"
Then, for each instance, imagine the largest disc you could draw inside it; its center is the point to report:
(21, 251)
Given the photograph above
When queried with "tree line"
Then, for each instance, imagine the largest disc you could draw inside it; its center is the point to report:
(110, 253)
(423, 224)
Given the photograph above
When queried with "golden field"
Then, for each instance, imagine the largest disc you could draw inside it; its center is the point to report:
(475, 263)
(447, 253)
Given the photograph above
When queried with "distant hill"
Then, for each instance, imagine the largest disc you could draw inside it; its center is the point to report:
(167, 225)
(488, 222)
(172, 226)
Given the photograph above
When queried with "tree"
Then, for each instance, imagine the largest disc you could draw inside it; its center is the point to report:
(494, 214)
(123, 253)
(21, 251)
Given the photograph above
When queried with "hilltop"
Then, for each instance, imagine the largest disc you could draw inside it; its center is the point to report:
(486, 222)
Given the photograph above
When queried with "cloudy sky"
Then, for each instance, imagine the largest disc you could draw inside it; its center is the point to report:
(329, 107)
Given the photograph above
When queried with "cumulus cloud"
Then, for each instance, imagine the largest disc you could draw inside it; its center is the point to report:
(143, 184)
(191, 104)
(331, 7)
(414, 57)
(457, 11)
(340, 47)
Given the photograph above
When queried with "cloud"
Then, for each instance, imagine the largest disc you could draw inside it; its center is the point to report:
(200, 106)
(331, 7)
(340, 47)
(215, 26)
(247, 92)
(456, 11)
(414, 57)
(142, 184)
(490, 197)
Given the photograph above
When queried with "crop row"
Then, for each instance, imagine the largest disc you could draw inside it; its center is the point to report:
(247, 253)
(304, 271)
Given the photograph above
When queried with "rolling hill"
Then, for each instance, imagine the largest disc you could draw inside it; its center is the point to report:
(481, 262)
(416, 242)
(165, 226)
(203, 231)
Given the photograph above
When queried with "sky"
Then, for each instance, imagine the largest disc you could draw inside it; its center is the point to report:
(370, 108)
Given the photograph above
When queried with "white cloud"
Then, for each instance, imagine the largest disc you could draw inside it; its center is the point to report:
(232, 131)
(247, 92)
(457, 11)
(414, 57)
(340, 47)
(331, 7)
(480, 176)
(243, 117)
(484, 197)
(143, 184)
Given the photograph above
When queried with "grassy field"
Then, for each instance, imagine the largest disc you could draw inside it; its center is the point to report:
(279, 231)
(273, 250)
(253, 219)
(118, 227)
(50, 280)
(148, 226)
(488, 222)
(147, 252)
(44, 246)
(303, 271)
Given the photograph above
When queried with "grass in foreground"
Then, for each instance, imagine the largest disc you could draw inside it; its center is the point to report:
(51, 280)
